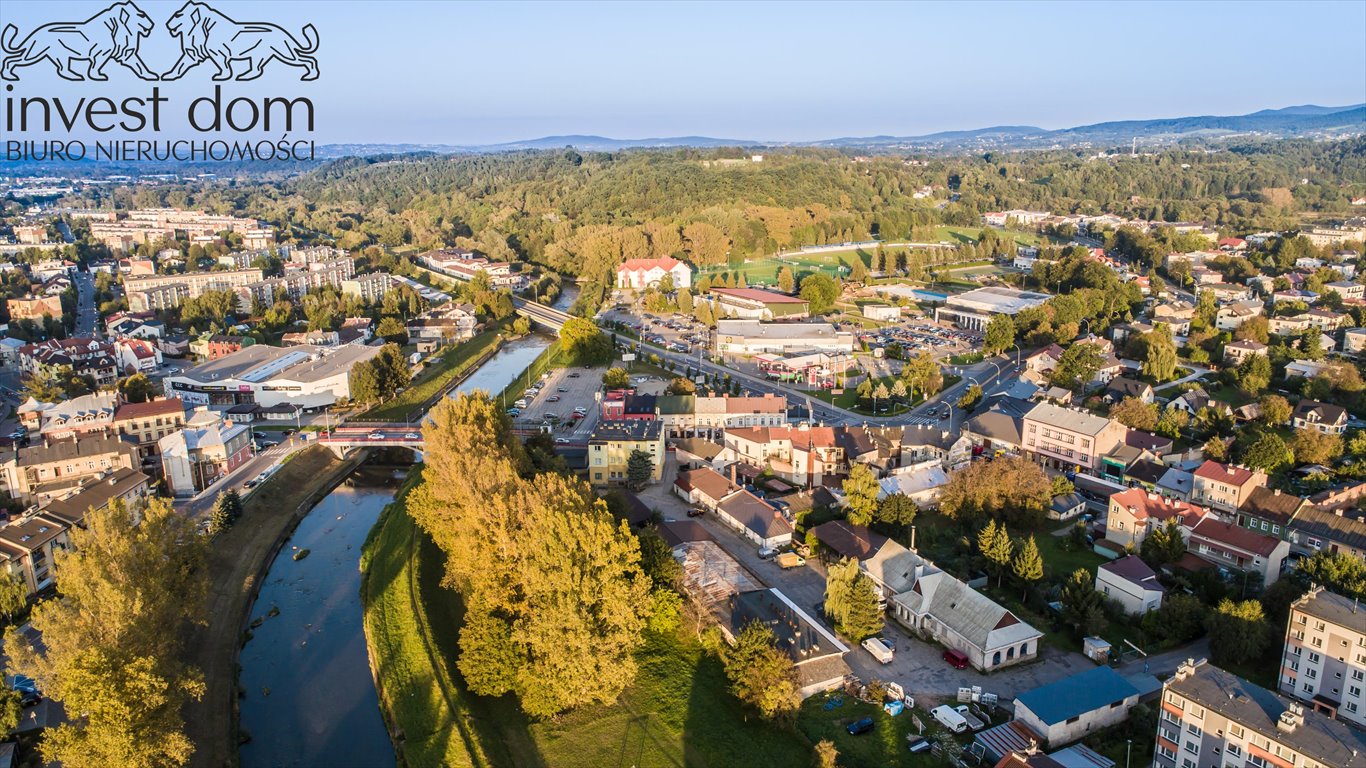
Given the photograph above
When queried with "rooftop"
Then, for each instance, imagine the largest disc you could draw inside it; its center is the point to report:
(1132, 568)
(96, 495)
(758, 329)
(151, 408)
(1320, 737)
(259, 363)
(629, 429)
(761, 296)
(1078, 694)
(1231, 535)
(1224, 473)
(1332, 607)
(1080, 422)
(998, 300)
(755, 514)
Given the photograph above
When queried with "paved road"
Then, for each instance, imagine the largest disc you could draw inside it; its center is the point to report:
(200, 505)
(85, 304)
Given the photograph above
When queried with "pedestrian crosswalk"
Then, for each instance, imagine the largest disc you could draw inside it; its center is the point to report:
(921, 421)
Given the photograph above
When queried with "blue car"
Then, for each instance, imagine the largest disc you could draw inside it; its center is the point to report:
(860, 727)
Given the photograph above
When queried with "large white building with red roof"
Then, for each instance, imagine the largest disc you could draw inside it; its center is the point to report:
(643, 273)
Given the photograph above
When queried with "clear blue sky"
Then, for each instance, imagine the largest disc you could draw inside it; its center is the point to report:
(473, 73)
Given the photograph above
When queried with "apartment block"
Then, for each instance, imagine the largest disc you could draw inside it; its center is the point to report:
(1225, 487)
(1212, 719)
(1324, 662)
(1066, 438)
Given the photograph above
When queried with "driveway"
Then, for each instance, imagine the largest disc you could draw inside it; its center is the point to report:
(918, 666)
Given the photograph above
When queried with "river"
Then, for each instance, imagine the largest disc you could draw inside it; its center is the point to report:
(309, 696)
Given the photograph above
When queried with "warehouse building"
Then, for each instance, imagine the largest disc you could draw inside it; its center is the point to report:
(306, 376)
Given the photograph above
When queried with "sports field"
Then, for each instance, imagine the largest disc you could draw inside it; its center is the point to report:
(764, 271)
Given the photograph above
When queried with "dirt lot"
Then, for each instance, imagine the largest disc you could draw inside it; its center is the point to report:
(237, 562)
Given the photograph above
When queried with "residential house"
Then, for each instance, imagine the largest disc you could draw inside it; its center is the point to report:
(1045, 360)
(943, 609)
(922, 483)
(1354, 341)
(755, 519)
(921, 443)
(1070, 708)
(696, 452)
(206, 449)
(1324, 660)
(1228, 546)
(1232, 316)
(146, 423)
(1210, 717)
(1269, 511)
(1347, 289)
(1067, 438)
(129, 487)
(1122, 387)
(452, 322)
(92, 412)
(1226, 293)
(1304, 369)
(704, 487)
(1322, 417)
(28, 547)
(801, 455)
(995, 431)
(1338, 531)
(611, 444)
(1225, 487)
(1131, 583)
(51, 469)
(1136, 512)
(91, 357)
(1235, 352)
(1177, 315)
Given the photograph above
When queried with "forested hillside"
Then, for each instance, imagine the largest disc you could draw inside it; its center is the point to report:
(581, 214)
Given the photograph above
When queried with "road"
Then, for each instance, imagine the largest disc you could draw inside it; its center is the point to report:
(200, 505)
(85, 304)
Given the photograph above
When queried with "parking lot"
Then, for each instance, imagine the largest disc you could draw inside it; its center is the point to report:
(561, 391)
(920, 335)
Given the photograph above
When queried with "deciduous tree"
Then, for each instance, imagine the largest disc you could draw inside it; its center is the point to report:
(861, 490)
(761, 675)
(1000, 335)
(1275, 410)
(112, 642)
(820, 291)
(1133, 412)
(616, 378)
(1242, 630)
(1010, 488)
(851, 601)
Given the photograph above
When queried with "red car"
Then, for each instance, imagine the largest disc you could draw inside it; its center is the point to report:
(956, 659)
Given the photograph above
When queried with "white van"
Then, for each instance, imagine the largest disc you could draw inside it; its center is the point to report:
(879, 649)
(949, 718)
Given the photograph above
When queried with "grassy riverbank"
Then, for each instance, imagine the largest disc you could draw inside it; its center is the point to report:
(423, 391)
(678, 712)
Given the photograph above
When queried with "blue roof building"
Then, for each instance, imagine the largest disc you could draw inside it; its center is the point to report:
(1069, 709)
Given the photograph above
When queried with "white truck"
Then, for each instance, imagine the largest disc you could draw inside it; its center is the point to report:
(880, 650)
(949, 718)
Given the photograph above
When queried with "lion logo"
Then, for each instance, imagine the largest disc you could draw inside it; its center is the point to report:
(113, 34)
(208, 35)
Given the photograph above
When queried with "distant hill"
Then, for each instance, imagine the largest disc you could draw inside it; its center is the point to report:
(1287, 122)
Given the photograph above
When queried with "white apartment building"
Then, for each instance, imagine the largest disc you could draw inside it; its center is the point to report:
(1324, 662)
(1069, 438)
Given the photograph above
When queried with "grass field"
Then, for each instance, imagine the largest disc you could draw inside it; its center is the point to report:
(456, 361)
(678, 712)
(764, 271)
(885, 746)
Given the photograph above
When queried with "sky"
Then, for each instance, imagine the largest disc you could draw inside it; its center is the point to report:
(482, 73)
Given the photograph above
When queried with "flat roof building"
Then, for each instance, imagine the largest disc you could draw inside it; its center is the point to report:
(973, 310)
(305, 375)
(752, 337)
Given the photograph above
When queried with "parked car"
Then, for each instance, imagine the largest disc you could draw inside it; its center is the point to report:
(860, 727)
(696, 511)
(956, 659)
(880, 650)
(553, 399)
(917, 744)
(573, 374)
(767, 553)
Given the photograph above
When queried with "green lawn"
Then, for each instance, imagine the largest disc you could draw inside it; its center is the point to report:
(969, 358)
(1060, 562)
(884, 746)
(678, 712)
(764, 270)
(456, 361)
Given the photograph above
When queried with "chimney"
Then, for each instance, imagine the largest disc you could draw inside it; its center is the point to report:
(1276, 492)
(732, 473)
